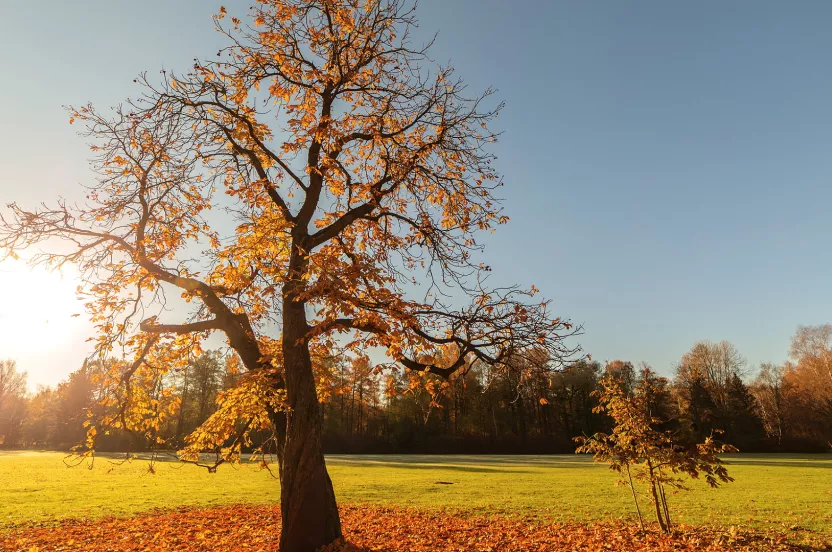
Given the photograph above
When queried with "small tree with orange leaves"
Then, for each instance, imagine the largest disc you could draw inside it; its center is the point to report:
(342, 168)
(637, 449)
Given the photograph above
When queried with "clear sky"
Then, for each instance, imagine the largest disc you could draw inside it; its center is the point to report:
(667, 164)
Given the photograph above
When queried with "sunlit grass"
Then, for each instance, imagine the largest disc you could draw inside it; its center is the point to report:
(770, 491)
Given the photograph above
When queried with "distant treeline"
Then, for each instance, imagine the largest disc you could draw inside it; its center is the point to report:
(784, 408)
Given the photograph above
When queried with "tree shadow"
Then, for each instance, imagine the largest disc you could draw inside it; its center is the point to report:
(793, 464)
(417, 466)
(447, 461)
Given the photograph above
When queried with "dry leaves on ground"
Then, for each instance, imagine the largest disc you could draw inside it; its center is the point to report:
(367, 528)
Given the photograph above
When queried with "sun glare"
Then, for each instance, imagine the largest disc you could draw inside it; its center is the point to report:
(36, 309)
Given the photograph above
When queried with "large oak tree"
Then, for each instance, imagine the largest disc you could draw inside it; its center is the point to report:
(321, 184)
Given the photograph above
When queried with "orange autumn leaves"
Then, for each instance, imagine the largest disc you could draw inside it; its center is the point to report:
(376, 529)
(321, 163)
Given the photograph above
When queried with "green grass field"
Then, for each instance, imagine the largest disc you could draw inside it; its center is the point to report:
(769, 491)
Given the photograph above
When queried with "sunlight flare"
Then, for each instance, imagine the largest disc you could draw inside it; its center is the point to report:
(38, 309)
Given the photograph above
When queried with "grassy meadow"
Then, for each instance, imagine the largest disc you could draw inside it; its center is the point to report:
(770, 491)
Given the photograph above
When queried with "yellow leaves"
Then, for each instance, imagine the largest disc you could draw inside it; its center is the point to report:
(245, 404)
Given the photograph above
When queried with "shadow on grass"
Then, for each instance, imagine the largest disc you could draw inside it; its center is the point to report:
(793, 464)
(416, 466)
(554, 461)
(474, 463)
(398, 462)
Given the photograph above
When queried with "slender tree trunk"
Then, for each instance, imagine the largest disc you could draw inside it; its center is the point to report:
(664, 502)
(309, 512)
(656, 502)
(635, 498)
(665, 507)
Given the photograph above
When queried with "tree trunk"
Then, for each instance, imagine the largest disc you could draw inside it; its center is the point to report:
(657, 504)
(635, 498)
(656, 501)
(664, 502)
(309, 512)
(665, 507)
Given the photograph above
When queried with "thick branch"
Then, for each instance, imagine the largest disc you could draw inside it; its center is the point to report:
(149, 326)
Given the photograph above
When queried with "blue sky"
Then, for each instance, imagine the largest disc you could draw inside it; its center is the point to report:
(667, 164)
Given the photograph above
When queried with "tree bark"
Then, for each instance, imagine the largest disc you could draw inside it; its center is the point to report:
(664, 502)
(665, 507)
(309, 512)
(656, 501)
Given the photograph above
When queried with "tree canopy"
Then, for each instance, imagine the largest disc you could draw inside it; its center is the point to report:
(320, 184)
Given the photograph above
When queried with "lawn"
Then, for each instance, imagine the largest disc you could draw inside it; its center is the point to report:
(770, 491)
